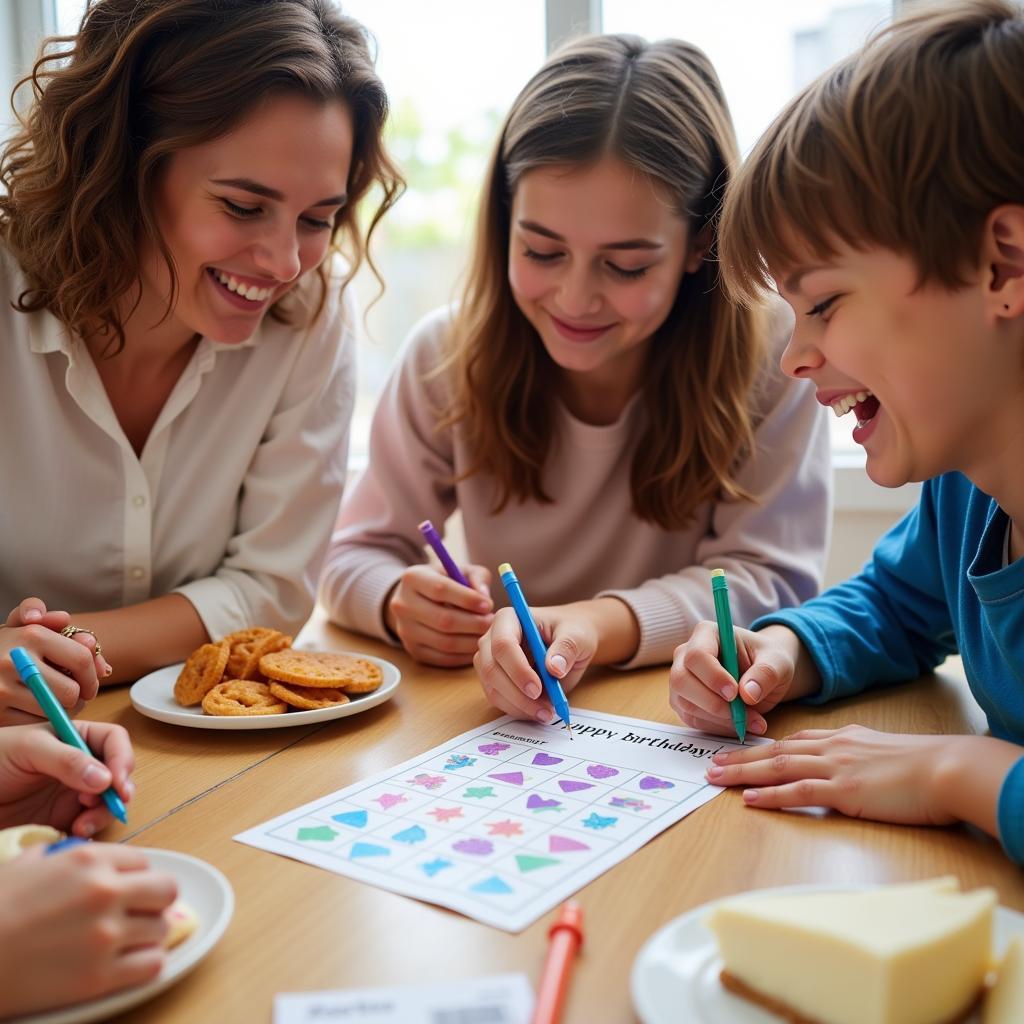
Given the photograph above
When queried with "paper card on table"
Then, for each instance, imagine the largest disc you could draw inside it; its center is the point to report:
(507, 998)
(508, 845)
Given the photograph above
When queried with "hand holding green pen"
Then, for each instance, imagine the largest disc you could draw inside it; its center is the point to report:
(727, 645)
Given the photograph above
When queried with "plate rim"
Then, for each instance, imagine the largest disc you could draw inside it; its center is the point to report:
(124, 999)
(639, 999)
(288, 720)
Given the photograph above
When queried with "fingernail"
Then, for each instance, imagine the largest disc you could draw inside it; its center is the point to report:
(533, 691)
(753, 690)
(716, 772)
(720, 758)
(483, 606)
(728, 692)
(750, 796)
(129, 789)
(545, 717)
(558, 665)
(484, 589)
(32, 615)
(108, 671)
(88, 830)
(94, 775)
(759, 726)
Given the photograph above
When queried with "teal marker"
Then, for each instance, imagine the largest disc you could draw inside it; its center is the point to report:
(533, 638)
(33, 679)
(727, 646)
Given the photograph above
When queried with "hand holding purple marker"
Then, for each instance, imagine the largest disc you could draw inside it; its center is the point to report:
(433, 538)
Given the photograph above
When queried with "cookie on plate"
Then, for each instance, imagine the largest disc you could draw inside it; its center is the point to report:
(17, 839)
(248, 646)
(321, 669)
(242, 697)
(308, 698)
(201, 673)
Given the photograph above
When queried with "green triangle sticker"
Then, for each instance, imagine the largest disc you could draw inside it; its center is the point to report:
(527, 862)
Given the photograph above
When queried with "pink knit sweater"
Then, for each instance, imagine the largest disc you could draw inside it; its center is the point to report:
(588, 542)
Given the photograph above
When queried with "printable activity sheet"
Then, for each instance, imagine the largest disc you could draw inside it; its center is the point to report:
(505, 821)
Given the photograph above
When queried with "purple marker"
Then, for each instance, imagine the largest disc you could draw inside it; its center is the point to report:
(433, 538)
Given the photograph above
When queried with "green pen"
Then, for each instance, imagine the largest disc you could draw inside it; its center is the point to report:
(727, 646)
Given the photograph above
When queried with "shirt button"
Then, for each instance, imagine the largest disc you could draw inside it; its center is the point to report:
(139, 500)
(138, 572)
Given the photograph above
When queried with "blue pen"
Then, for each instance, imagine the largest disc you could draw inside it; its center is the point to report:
(32, 678)
(533, 638)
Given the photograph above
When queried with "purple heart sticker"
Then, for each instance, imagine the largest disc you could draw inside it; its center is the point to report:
(601, 771)
(573, 786)
(652, 782)
(536, 803)
(546, 759)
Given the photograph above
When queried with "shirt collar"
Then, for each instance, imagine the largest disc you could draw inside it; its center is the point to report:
(47, 334)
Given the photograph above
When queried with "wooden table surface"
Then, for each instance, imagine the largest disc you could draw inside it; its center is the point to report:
(299, 928)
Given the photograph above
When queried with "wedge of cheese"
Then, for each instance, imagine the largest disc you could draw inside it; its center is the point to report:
(1005, 1003)
(900, 954)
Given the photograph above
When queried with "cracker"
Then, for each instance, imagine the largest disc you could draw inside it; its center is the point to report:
(242, 697)
(201, 673)
(308, 698)
(248, 646)
(322, 669)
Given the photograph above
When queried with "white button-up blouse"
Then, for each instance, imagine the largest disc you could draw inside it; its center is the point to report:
(232, 500)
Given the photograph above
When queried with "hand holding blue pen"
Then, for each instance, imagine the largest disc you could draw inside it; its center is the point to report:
(536, 644)
(62, 726)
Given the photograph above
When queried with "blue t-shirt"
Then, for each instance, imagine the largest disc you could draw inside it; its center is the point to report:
(936, 585)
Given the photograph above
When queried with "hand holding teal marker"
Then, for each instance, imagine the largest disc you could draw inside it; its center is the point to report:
(533, 638)
(727, 646)
(33, 679)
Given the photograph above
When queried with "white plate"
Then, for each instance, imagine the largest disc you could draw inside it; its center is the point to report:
(153, 696)
(675, 974)
(209, 894)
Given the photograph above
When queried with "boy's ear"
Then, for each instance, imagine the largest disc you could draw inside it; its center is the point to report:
(1003, 255)
(699, 246)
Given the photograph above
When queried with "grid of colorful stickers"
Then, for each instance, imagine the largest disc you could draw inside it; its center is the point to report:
(507, 820)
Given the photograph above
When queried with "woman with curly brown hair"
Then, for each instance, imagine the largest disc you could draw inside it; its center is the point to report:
(597, 410)
(177, 366)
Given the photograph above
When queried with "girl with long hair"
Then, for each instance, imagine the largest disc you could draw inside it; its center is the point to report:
(599, 413)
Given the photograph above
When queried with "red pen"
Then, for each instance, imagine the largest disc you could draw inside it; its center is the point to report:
(564, 940)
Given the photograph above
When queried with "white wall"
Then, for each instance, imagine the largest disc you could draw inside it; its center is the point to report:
(863, 512)
(23, 23)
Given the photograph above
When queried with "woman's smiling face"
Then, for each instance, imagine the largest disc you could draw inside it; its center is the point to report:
(246, 215)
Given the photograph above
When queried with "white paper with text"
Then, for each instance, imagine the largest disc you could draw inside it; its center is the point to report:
(505, 821)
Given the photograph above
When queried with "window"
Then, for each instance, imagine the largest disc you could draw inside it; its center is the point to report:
(764, 53)
(448, 94)
(452, 69)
